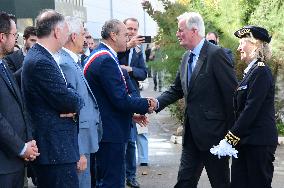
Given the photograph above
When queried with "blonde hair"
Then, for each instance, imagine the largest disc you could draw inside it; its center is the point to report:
(262, 49)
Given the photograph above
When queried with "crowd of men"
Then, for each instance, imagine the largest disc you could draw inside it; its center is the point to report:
(70, 111)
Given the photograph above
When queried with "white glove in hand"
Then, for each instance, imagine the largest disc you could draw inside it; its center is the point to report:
(224, 149)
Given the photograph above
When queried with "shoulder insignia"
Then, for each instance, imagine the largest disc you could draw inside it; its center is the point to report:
(260, 64)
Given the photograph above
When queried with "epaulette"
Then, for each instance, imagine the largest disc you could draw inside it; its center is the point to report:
(260, 64)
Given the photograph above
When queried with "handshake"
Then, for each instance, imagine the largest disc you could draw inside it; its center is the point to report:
(31, 152)
(143, 120)
(152, 104)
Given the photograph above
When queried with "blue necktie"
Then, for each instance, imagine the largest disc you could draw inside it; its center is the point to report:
(189, 67)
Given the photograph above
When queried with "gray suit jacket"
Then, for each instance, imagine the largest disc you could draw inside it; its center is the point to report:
(90, 125)
(209, 96)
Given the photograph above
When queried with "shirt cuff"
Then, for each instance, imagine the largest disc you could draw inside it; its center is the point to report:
(24, 150)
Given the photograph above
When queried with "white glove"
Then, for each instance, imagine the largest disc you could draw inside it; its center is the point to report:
(224, 149)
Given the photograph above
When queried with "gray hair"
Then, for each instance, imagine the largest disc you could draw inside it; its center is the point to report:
(262, 49)
(74, 24)
(110, 26)
(47, 20)
(193, 20)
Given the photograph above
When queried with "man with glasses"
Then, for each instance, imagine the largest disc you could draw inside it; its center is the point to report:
(15, 60)
(15, 133)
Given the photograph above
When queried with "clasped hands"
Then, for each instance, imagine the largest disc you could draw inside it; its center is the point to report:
(31, 152)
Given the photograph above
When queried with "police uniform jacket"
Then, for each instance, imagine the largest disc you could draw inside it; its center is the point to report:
(254, 107)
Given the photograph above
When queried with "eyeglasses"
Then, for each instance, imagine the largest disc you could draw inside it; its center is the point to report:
(14, 34)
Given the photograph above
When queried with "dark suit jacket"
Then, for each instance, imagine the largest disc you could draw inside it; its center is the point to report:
(139, 70)
(115, 104)
(15, 62)
(209, 96)
(254, 106)
(14, 129)
(47, 95)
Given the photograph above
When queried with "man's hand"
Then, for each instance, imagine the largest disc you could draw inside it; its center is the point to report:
(82, 163)
(153, 104)
(142, 120)
(127, 68)
(134, 41)
(31, 151)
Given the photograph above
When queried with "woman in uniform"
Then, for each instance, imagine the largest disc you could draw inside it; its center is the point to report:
(254, 134)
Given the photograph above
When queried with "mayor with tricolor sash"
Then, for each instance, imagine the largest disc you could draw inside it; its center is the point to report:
(109, 86)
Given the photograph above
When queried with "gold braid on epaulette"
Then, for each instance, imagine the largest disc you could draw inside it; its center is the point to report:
(232, 139)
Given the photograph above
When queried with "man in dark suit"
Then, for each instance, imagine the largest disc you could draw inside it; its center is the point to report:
(133, 62)
(14, 125)
(15, 60)
(51, 102)
(106, 79)
(207, 81)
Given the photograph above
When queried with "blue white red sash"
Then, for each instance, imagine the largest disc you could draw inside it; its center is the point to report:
(99, 53)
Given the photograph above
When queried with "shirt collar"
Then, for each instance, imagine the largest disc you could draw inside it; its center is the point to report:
(72, 54)
(197, 49)
(249, 66)
(110, 48)
(52, 54)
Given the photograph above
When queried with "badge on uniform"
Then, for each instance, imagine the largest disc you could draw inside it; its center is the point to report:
(260, 64)
(242, 87)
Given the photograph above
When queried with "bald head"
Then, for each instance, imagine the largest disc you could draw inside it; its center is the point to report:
(47, 20)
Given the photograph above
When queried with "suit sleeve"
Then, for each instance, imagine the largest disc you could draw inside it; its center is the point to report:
(114, 86)
(52, 88)
(258, 89)
(170, 96)
(9, 140)
(227, 81)
(139, 72)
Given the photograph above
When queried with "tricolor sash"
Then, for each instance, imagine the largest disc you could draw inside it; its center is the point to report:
(104, 51)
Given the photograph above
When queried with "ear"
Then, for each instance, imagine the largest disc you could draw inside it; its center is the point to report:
(2, 36)
(113, 36)
(73, 36)
(57, 32)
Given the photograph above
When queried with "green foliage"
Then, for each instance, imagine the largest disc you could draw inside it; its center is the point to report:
(280, 129)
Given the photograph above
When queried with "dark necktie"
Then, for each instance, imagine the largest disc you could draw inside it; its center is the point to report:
(189, 67)
(3, 69)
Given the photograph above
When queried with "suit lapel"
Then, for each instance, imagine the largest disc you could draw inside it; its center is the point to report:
(183, 72)
(11, 84)
(199, 63)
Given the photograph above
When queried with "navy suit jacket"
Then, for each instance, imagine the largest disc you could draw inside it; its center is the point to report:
(14, 129)
(47, 96)
(254, 107)
(139, 70)
(115, 104)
